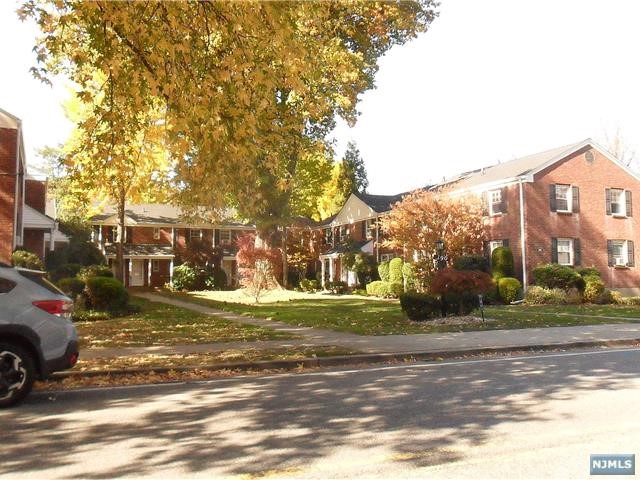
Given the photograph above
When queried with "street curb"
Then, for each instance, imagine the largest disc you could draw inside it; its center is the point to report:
(346, 360)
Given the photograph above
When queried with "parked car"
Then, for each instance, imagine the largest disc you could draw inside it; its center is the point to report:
(37, 336)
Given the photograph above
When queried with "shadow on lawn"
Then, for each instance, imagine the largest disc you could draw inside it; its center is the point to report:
(252, 425)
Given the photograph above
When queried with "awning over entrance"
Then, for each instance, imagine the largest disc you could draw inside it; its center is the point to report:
(140, 251)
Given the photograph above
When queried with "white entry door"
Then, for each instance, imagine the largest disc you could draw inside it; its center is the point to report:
(136, 279)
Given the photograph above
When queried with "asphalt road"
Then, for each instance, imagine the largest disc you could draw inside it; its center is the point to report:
(528, 417)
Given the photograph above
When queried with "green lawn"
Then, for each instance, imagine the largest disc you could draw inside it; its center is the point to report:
(365, 316)
(161, 324)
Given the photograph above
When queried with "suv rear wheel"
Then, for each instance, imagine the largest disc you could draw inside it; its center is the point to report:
(17, 374)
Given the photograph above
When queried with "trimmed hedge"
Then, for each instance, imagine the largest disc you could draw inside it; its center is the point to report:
(68, 270)
(71, 286)
(385, 289)
(552, 275)
(383, 271)
(94, 271)
(502, 262)
(509, 289)
(545, 296)
(24, 259)
(307, 285)
(588, 272)
(593, 289)
(411, 281)
(395, 270)
(471, 262)
(421, 306)
(105, 293)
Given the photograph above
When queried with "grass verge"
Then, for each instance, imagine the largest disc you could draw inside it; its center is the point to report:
(162, 324)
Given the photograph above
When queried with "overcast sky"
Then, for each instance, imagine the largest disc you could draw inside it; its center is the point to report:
(490, 81)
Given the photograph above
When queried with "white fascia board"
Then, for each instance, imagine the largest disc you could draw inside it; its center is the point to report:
(488, 186)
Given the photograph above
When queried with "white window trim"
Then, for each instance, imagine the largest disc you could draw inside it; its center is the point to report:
(571, 251)
(624, 253)
(569, 199)
(227, 232)
(492, 203)
(622, 202)
(493, 244)
(156, 233)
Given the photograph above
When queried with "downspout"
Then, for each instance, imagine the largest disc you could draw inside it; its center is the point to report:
(523, 249)
(377, 241)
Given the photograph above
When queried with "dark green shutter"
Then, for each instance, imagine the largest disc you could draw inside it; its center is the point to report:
(577, 254)
(554, 250)
(216, 237)
(364, 230)
(627, 196)
(610, 253)
(485, 249)
(630, 254)
(503, 200)
(575, 200)
(607, 195)
(552, 198)
(505, 242)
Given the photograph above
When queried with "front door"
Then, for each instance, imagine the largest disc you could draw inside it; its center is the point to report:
(137, 273)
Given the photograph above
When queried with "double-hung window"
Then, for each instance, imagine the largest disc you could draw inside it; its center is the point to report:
(495, 202)
(195, 234)
(565, 251)
(563, 198)
(620, 253)
(225, 237)
(617, 202)
(493, 244)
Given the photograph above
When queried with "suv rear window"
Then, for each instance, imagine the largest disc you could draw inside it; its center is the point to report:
(38, 277)
(6, 285)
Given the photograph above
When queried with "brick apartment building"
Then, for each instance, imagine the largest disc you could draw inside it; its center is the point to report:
(23, 222)
(571, 205)
(354, 227)
(156, 235)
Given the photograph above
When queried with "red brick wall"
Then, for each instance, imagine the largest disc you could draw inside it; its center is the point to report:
(8, 139)
(144, 235)
(36, 195)
(591, 225)
(159, 278)
(34, 242)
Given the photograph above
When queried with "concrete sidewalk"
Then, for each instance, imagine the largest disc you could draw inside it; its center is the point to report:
(422, 343)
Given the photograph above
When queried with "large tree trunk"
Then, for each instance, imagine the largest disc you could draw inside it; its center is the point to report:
(120, 274)
(285, 262)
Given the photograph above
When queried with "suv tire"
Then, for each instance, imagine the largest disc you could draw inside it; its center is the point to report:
(17, 374)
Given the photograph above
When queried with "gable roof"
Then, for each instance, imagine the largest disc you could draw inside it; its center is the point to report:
(380, 203)
(156, 214)
(515, 168)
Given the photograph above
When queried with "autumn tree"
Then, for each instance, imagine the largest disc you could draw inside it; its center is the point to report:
(347, 176)
(249, 89)
(257, 266)
(423, 217)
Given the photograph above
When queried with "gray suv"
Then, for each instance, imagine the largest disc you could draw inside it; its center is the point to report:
(37, 337)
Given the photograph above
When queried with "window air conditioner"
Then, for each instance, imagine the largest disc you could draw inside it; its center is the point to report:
(620, 262)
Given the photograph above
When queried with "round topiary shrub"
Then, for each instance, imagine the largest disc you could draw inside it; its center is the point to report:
(94, 271)
(502, 262)
(105, 293)
(420, 306)
(383, 271)
(509, 288)
(24, 259)
(71, 286)
(185, 277)
(395, 270)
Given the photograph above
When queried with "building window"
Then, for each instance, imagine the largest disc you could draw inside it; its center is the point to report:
(344, 231)
(495, 202)
(156, 234)
(564, 249)
(225, 237)
(621, 253)
(328, 236)
(563, 198)
(155, 265)
(387, 257)
(370, 229)
(195, 234)
(113, 234)
(493, 244)
(617, 202)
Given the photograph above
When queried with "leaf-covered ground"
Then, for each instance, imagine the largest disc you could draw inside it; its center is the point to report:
(161, 324)
(365, 316)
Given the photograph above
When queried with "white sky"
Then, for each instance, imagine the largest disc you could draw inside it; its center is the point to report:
(491, 80)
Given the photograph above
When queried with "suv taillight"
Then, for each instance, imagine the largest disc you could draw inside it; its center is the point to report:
(62, 308)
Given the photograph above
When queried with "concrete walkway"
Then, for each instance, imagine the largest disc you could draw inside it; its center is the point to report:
(436, 342)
